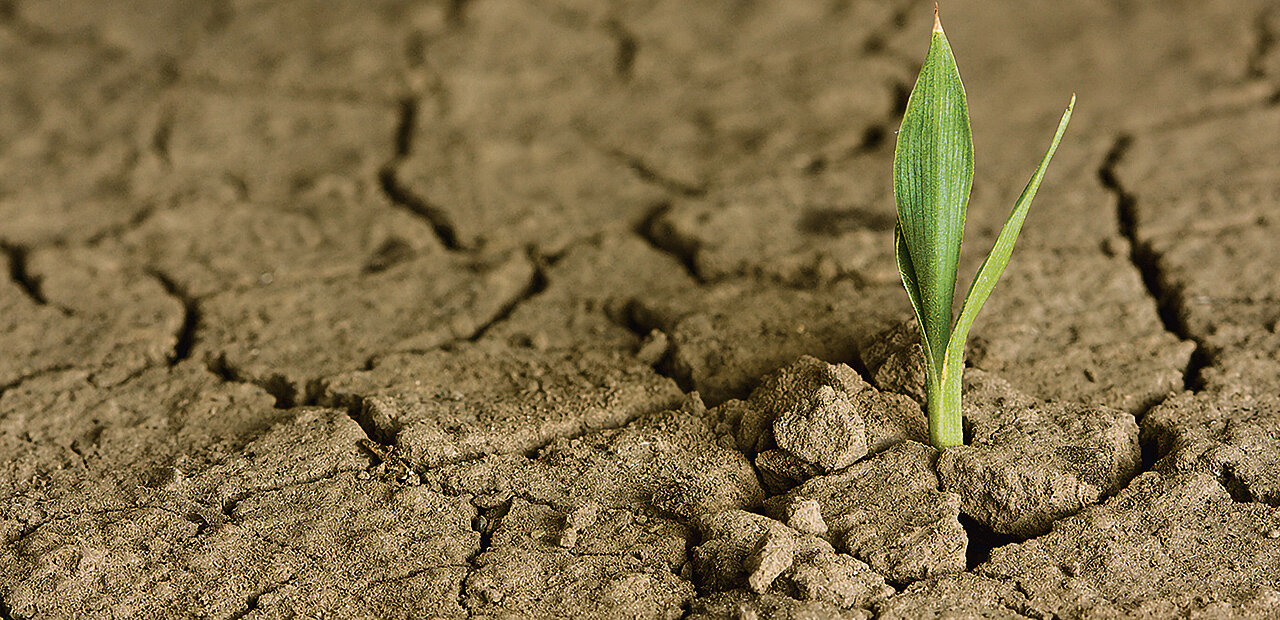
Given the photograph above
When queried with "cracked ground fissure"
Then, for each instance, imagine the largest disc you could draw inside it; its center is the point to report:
(1168, 302)
(1264, 43)
(185, 339)
(404, 197)
(25, 281)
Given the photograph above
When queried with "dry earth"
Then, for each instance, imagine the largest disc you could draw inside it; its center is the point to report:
(398, 309)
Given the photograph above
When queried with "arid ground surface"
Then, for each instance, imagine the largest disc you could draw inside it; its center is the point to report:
(398, 309)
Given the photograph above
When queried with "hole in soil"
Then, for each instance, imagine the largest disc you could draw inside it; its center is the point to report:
(836, 221)
(873, 138)
(456, 14)
(21, 277)
(282, 390)
(200, 522)
(1150, 454)
(1237, 488)
(982, 540)
(625, 54)
(486, 523)
(1192, 379)
(901, 96)
(662, 237)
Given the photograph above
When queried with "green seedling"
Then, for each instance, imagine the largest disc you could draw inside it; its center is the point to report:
(932, 176)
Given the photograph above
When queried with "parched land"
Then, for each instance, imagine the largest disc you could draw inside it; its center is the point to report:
(570, 308)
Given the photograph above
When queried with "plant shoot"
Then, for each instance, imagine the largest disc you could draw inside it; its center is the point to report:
(932, 176)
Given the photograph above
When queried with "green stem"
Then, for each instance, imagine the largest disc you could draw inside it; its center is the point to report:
(946, 429)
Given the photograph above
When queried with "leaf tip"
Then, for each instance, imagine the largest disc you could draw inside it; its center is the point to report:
(937, 21)
(1072, 104)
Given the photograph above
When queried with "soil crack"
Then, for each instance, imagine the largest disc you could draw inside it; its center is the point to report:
(354, 405)
(185, 338)
(228, 505)
(485, 523)
(205, 84)
(30, 284)
(38, 36)
(1263, 43)
(983, 540)
(662, 237)
(251, 603)
(403, 196)
(535, 285)
(1168, 299)
(649, 174)
(5, 387)
(626, 49)
(161, 136)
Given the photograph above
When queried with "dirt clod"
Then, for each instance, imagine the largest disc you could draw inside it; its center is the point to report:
(742, 549)
(813, 417)
(1232, 436)
(1031, 463)
(887, 511)
(773, 554)
(806, 516)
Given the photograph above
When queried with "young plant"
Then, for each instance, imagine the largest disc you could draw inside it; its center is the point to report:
(932, 175)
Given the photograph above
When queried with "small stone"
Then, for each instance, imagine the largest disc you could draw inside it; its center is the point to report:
(773, 555)
(1273, 533)
(583, 516)
(887, 511)
(653, 348)
(823, 429)
(806, 516)
(836, 578)
(568, 538)
(580, 519)
(780, 471)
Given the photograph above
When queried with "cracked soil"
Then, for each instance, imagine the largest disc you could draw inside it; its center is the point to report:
(588, 308)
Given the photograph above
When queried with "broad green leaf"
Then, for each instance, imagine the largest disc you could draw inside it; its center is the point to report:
(996, 261)
(932, 176)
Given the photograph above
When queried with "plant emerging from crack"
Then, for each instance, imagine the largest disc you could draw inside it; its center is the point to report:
(932, 176)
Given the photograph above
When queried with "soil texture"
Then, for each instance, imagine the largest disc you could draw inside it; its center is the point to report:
(588, 309)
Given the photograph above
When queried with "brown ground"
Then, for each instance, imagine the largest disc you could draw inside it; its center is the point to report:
(394, 309)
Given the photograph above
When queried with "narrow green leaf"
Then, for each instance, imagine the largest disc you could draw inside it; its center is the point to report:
(932, 176)
(908, 272)
(996, 261)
